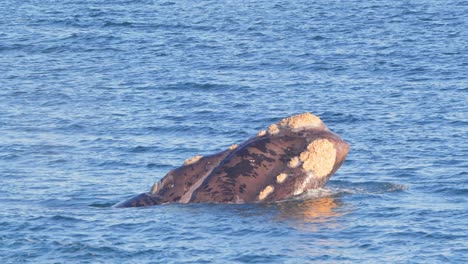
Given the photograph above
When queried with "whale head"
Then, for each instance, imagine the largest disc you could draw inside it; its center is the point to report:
(287, 159)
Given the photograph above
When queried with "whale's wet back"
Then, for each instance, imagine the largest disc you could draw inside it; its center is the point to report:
(295, 155)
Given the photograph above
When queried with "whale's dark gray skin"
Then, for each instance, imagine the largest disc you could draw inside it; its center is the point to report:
(297, 154)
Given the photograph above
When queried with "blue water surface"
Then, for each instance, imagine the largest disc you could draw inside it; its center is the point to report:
(99, 99)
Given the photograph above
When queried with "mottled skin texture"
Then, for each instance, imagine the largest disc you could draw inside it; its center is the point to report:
(239, 175)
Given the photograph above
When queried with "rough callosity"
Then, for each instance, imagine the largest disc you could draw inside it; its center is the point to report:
(273, 129)
(319, 157)
(305, 120)
(294, 123)
(281, 177)
(192, 160)
(261, 133)
(294, 162)
(233, 147)
(267, 191)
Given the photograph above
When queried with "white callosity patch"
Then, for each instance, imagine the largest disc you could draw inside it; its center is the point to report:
(317, 160)
(281, 177)
(261, 133)
(294, 162)
(304, 120)
(192, 160)
(273, 129)
(319, 157)
(267, 191)
(297, 123)
(233, 147)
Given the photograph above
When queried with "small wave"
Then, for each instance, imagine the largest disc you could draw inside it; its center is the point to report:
(325, 192)
(256, 258)
(453, 191)
(117, 24)
(318, 37)
(316, 194)
(115, 163)
(354, 188)
(101, 205)
(142, 149)
(161, 166)
(14, 47)
(370, 187)
(168, 3)
(335, 117)
(62, 218)
(202, 86)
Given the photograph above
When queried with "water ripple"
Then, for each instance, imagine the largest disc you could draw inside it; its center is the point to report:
(101, 99)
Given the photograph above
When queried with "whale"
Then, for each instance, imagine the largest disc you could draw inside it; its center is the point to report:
(297, 154)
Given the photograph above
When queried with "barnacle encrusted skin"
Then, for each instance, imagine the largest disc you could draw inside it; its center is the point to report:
(304, 120)
(295, 123)
(319, 157)
(273, 129)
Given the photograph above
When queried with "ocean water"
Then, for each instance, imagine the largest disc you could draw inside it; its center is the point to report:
(99, 99)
